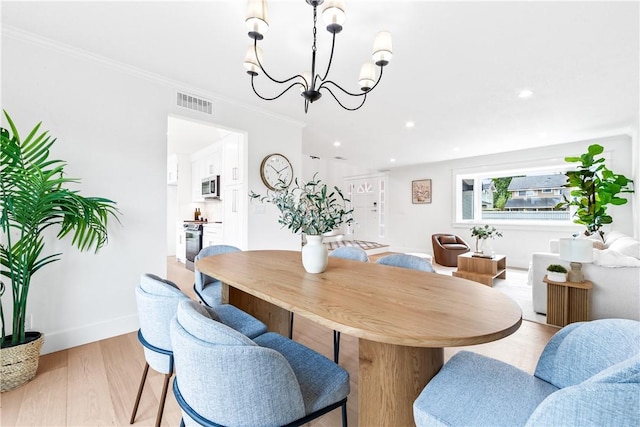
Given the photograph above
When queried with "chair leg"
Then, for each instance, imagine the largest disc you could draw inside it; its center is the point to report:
(163, 398)
(344, 414)
(140, 388)
(291, 326)
(336, 346)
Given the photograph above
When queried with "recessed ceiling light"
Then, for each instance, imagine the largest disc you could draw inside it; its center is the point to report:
(456, 148)
(392, 160)
(409, 124)
(543, 134)
(337, 144)
(525, 93)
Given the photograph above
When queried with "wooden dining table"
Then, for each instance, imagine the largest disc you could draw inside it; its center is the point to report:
(402, 318)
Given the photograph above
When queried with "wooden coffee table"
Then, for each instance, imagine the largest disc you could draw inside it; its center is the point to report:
(480, 269)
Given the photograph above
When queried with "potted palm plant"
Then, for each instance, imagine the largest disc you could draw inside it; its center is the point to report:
(33, 197)
(312, 209)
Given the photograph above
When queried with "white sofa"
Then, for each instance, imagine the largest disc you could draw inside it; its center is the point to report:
(614, 272)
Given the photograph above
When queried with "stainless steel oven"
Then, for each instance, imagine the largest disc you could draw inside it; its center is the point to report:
(193, 241)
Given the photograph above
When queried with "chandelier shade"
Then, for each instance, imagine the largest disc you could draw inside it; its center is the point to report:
(311, 83)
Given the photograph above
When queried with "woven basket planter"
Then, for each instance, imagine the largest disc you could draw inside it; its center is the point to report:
(18, 364)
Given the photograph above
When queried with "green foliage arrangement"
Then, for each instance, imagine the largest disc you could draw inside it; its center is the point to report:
(593, 187)
(556, 268)
(32, 199)
(485, 232)
(308, 207)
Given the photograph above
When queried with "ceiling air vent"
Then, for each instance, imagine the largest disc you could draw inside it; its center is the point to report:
(194, 103)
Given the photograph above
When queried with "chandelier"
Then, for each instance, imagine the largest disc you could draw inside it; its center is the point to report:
(310, 83)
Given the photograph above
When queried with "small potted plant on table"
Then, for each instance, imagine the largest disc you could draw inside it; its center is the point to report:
(557, 273)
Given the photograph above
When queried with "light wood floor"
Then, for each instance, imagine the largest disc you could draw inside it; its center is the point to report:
(96, 384)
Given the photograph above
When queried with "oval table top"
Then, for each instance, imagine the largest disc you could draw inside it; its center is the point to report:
(376, 302)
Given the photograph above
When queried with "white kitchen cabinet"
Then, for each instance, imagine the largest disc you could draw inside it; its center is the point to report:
(234, 159)
(212, 234)
(181, 247)
(235, 215)
(197, 167)
(204, 163)
(212, 163)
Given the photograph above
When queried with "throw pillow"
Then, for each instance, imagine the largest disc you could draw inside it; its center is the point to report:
(448, 240)
(627, 246)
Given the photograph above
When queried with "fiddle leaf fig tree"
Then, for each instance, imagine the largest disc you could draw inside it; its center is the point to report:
(593, 187)
(34, 197)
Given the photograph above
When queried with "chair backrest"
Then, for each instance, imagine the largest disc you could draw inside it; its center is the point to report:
(157, 301)
(201, 279)
(226, 378)
(407, 261)
(350, 252)
(447, 239)
(611, 397)
(581, 350)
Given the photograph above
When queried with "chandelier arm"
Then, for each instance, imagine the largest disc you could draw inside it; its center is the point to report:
(327, 82)
(255, 47)
(342, 105)
(275, 97)
(333, 43)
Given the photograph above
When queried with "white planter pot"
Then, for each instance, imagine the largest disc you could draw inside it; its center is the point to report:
(315, 255)
(556, 277)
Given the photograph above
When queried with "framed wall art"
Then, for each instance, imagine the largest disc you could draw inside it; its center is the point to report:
(421, 191)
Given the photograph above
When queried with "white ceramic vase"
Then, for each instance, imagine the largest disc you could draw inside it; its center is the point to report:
(315, 255)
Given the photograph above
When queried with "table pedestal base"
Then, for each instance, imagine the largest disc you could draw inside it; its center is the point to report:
(390, 378)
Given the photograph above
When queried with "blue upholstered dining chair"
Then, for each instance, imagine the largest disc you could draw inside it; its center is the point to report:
(587, 375)
(209, 289)
(157, 301)
(224, 378)
(355, 254)
(350, 252)
(407, 261)
(345, 252)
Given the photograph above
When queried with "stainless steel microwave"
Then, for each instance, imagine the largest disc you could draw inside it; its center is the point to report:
(211, 187)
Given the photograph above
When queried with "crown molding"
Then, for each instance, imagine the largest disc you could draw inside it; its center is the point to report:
(45, 42)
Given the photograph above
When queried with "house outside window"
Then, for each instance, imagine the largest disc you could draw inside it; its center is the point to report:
(507, 197)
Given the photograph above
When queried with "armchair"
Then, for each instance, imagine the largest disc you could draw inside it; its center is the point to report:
(447, 247)
(587, 375)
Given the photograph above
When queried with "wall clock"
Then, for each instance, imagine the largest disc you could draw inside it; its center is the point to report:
(276, 167)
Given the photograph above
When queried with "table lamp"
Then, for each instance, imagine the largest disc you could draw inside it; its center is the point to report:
(576, 251)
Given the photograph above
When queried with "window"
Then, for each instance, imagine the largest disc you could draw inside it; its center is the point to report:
(512, 196)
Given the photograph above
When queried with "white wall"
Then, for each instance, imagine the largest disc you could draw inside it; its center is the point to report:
(410, 226)
(635, 174)
(111, 125)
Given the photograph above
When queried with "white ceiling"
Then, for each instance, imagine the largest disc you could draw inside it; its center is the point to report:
(456, 71)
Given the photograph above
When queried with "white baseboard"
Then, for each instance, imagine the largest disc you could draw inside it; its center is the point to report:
(89, 333)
